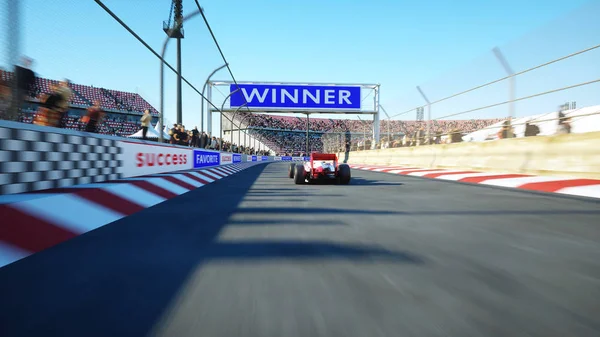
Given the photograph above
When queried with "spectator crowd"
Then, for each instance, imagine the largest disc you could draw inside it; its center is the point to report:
(74, 106)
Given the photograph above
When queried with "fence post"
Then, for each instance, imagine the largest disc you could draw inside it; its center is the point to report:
(428, 113)
(511, 88)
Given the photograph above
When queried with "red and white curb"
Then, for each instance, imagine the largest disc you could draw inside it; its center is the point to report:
(32, 222)
(571, 186)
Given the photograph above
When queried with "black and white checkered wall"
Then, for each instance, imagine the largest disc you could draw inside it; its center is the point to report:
(36, 158)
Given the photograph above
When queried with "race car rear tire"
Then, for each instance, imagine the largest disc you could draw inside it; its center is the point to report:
(299, 174)
(344, 174)
(291, 170)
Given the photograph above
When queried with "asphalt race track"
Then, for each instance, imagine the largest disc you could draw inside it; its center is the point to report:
(255, 255)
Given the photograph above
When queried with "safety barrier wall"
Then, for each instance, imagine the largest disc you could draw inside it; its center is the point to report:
(34, 158)
(574, 155)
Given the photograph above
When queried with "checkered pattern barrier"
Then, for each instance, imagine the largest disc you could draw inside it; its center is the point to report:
(35, 158)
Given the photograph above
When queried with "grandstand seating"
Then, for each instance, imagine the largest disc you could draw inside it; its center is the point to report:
(85, 95)
(284, 134)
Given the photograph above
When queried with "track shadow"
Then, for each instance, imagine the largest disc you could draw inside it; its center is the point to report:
(290, 210)
(119, 279)
(369, 182)
(503, 212)
(259, 250)
(286, 222)
(299, 194)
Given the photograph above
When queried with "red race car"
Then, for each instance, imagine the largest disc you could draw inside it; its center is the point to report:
(322, 166)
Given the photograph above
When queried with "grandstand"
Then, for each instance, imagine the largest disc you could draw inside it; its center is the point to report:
(123, 108)
(287, 134)
(282, 134)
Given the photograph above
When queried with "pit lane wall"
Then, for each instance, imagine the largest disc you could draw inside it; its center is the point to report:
(34, 158)
(569, 155)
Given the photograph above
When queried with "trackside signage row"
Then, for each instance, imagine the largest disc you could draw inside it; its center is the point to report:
(296, 96)
(203, 158)
(142, 159)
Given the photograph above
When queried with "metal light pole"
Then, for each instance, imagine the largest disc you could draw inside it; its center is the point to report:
(428, 113)
(162, 73)
(203, 97)
(364, 133)
(233, 119)
(389, 122)
(221, 118)
(240, 132)
(511, 88)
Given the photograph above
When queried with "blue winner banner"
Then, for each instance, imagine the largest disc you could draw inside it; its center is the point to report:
(296, 96)
(206, 158)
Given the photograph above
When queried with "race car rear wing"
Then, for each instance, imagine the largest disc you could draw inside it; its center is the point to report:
(323, 156)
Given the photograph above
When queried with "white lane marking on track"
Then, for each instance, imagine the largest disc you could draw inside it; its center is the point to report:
(164, 184)
(211, 174)
(401, 171)
(10, 253)
(70, 211)
(516, 182)
(135, 194)
(592, 191)
(187, 180)
(228, 169)
(204, 177)
(456, 177)
(422, 173)
(444, 172)
(12, 198)
(222, 171)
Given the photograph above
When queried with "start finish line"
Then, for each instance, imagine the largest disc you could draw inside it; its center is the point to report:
(295, 96)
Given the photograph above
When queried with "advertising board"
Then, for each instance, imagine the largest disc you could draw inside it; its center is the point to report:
(286, 158)
(253, 158)
(265, 158)
(226, 158)
(140, 159)
(237, 158)
(277, 158)
(296, 96)
(203, 158)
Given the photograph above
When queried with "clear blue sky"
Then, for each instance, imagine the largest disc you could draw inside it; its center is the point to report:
(444, 46)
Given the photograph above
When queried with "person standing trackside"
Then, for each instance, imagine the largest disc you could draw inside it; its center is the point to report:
(146, 120)
(25, 86)
(94, 117)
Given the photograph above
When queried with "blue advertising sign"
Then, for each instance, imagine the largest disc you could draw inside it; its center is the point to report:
(306, 158)
(286, 158)
(237, 158)
(206, 158)
(254, 158)
(296, 96)
(265, 158)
